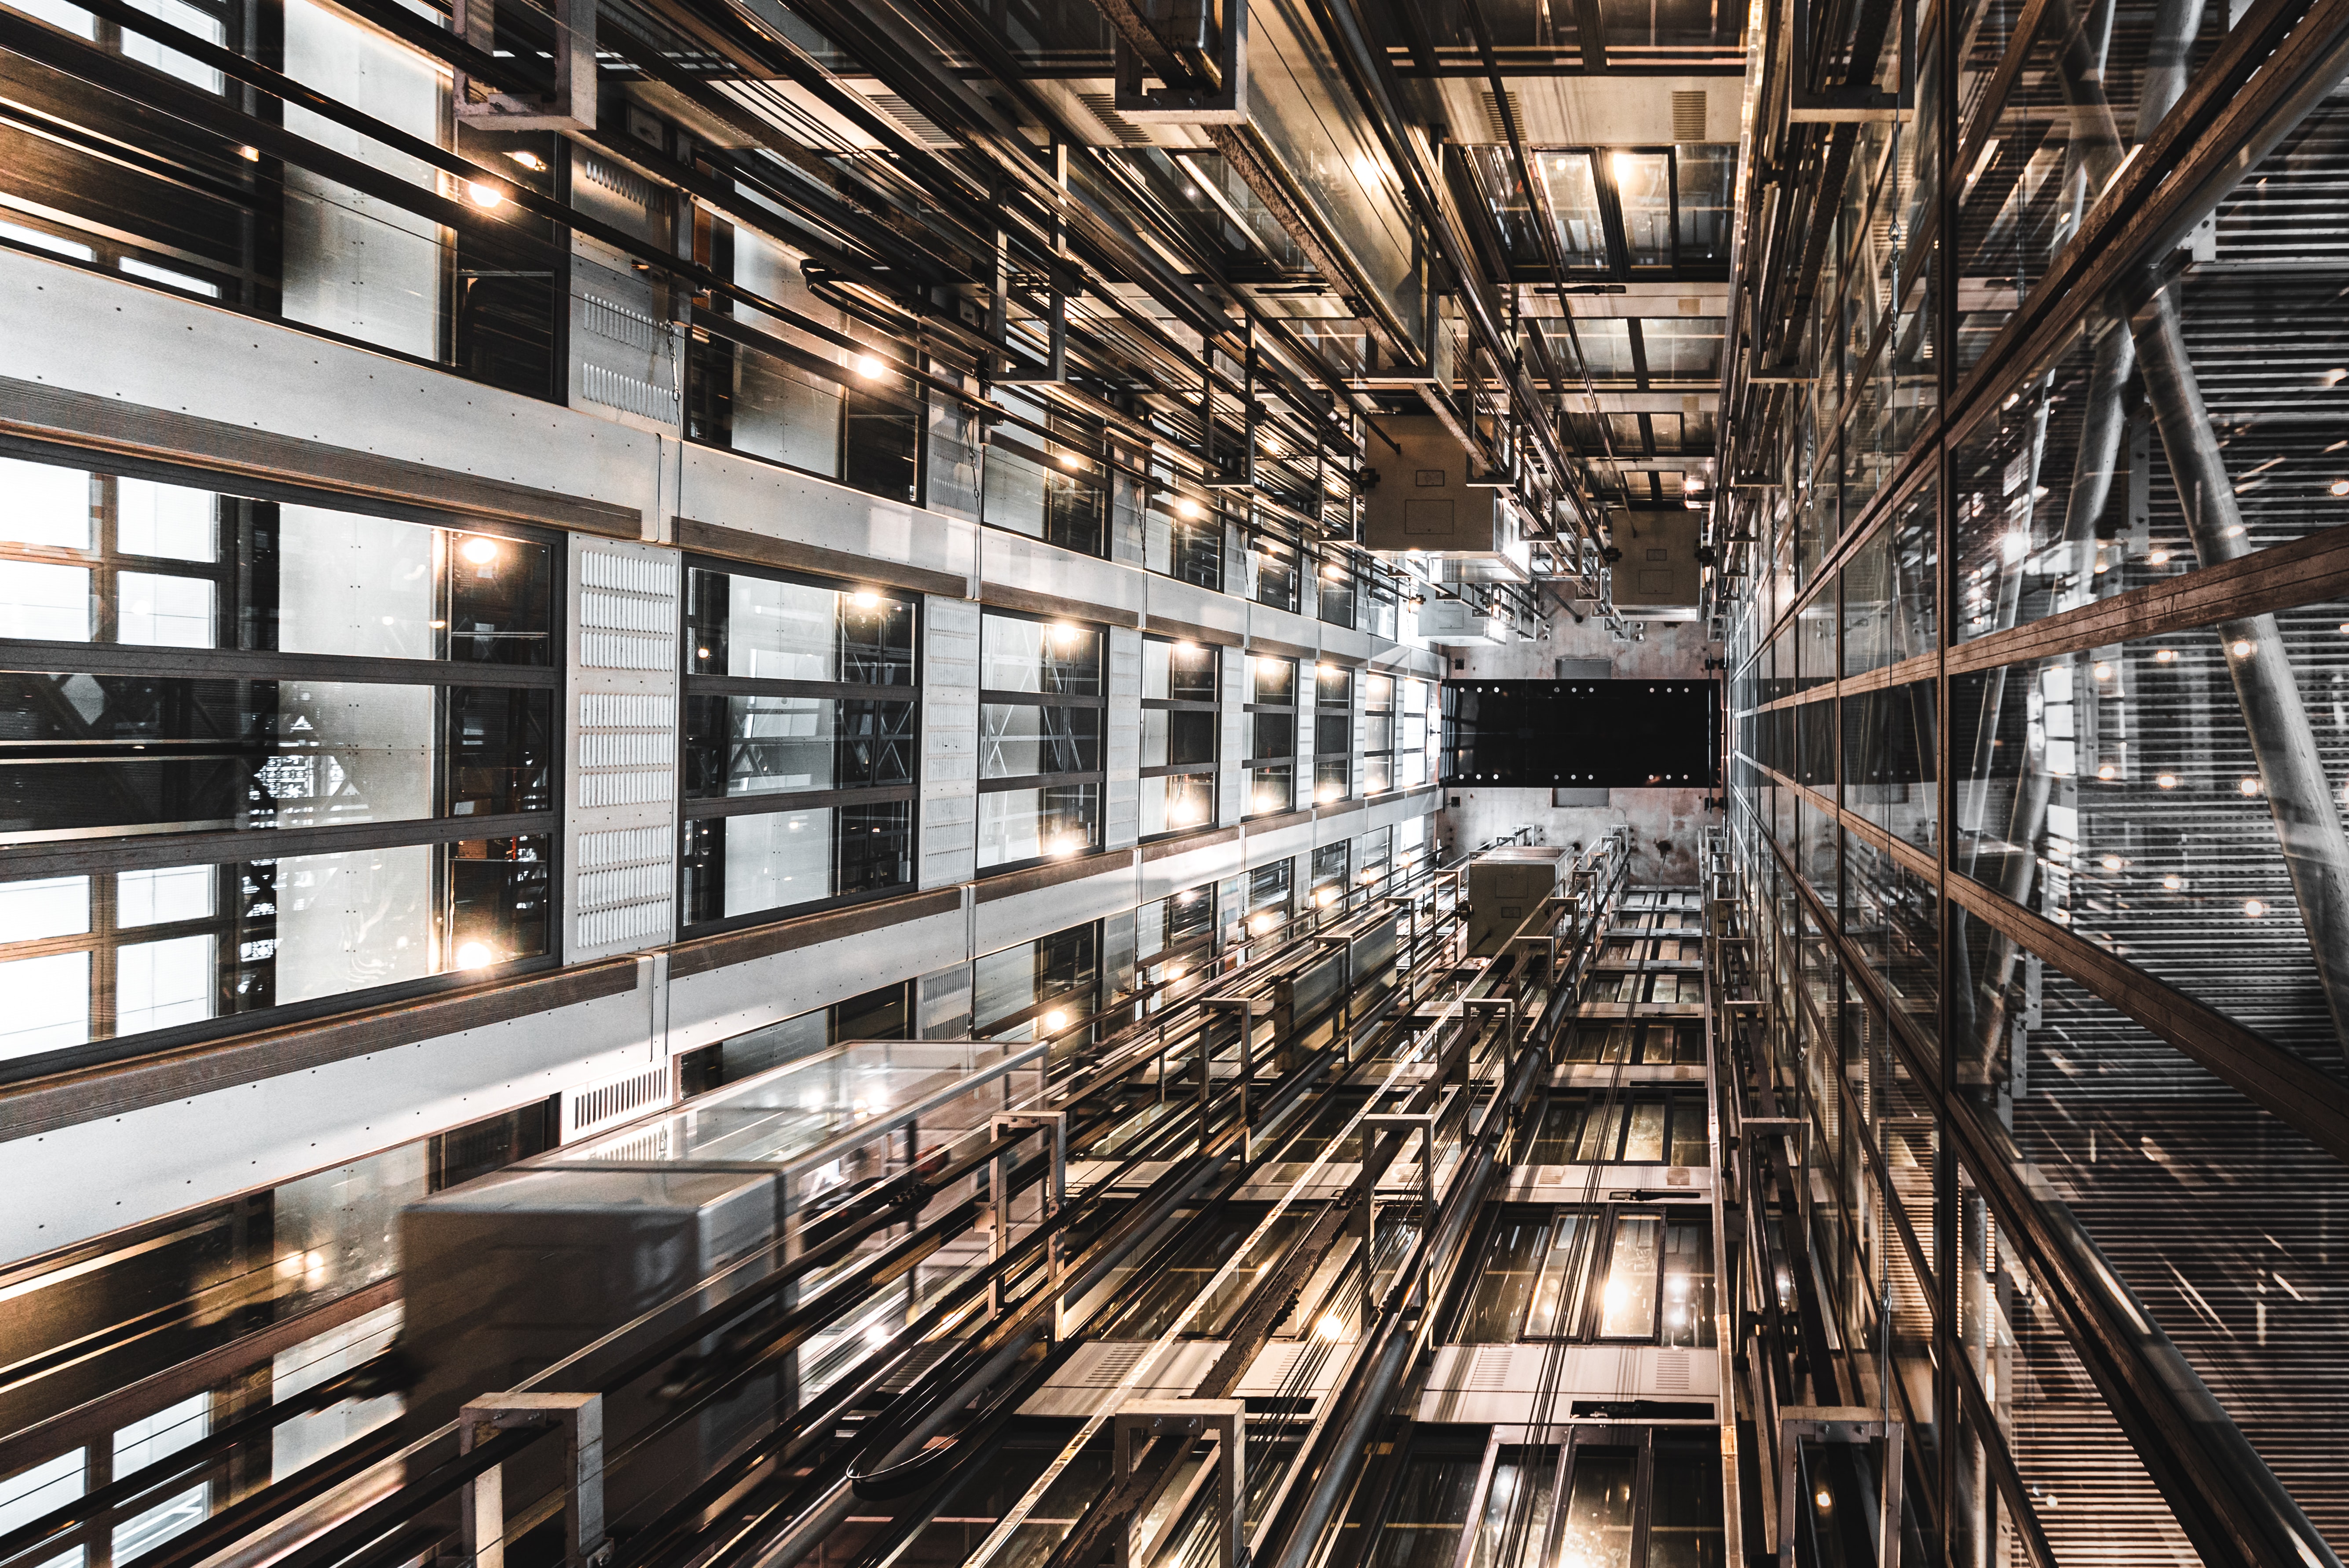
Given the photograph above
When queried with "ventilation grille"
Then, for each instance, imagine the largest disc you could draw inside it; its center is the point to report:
(1688, 116)
(629, 394)
(915, 123)
(627, 615)
(1499, 126)
(621, 325)
(626, 184)
(1489, 1369)
(1671, 1369)
(1104, 110)
(1110, 1363)
(600, 1105)
(650, 1146)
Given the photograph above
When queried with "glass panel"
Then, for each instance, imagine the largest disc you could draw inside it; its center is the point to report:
(1505, 1284)
(1704, 171)
(1178, 802)
(768, 630)
(1177, 738)
(1058, 658)
(1019, 742)
(766, 860)
(1687, 1308)
(1180, 672)
(1681, 347)
(1643, 186)
(1597, 1524)
(1573, 191)
(737, 745)
(1644, 1139)
(2120, 793)
(1628, 1304)
(1017, 825)
(1558, 1305)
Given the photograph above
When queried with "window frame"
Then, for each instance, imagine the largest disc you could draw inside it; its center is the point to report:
(1097, 776)
(1254, 766)
(1214, 707)
(243, 924)
(698, 809)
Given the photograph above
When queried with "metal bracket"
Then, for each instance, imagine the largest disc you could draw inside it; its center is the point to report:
(1213, 53)
(1839, 1424)
(1850, 104)
(1402, 1124)
(1055, 1194)
(1226, 1420)
(483, 1501)
(571, 104)
(1249, 1008)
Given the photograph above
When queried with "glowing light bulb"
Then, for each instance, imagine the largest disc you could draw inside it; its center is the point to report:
(530, 160)
(877, 1335)
(1173, 972)
(2338, 486)
(1333, 572)
(2108, 772)
(484, 196)
(2112, 862)
(2170, 655)
(475, 955)
(2253, 909)
(1186, 506)
(2249, 786)
(2103, 672)
(2242, 647)
(1055, 1020)
(2173, 881)
(2165, 781)
(1260, 925)
(1326, 896)
(1328, 1328)
(869, 366)
(480, 551)
(2157, 558)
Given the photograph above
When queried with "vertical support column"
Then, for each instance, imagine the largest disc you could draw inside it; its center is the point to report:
(1051, 1197)
(1122, 745)
(950, 787)
(1231, 741)
(620, 815)
(580, 1418)
(1226, 1420)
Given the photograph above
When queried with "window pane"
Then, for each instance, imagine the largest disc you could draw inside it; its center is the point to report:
(1598, 1524)
(1272, 680)
(43, 602)
(1688, 1283)
(1504, 1287)
(1177, 802)
(1271, 789)
(769, 745)
(51, 906)
(159, 984)
(1056, 659)
(1645, 1139)
(1643, 188)
(1017, 825)
(352, 920)
(1019, 742)
(48, 1003)
(1574, 198)
(46, 504)
(1273, 735)
(165, 520)
(1628, 1309)
(1565, 1268)
(350, 585)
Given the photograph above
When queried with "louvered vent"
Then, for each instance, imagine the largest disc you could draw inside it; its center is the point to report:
(1688, 116)
(1103, 107)
(917, 124)
(1496, 123)
(598, 1105)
